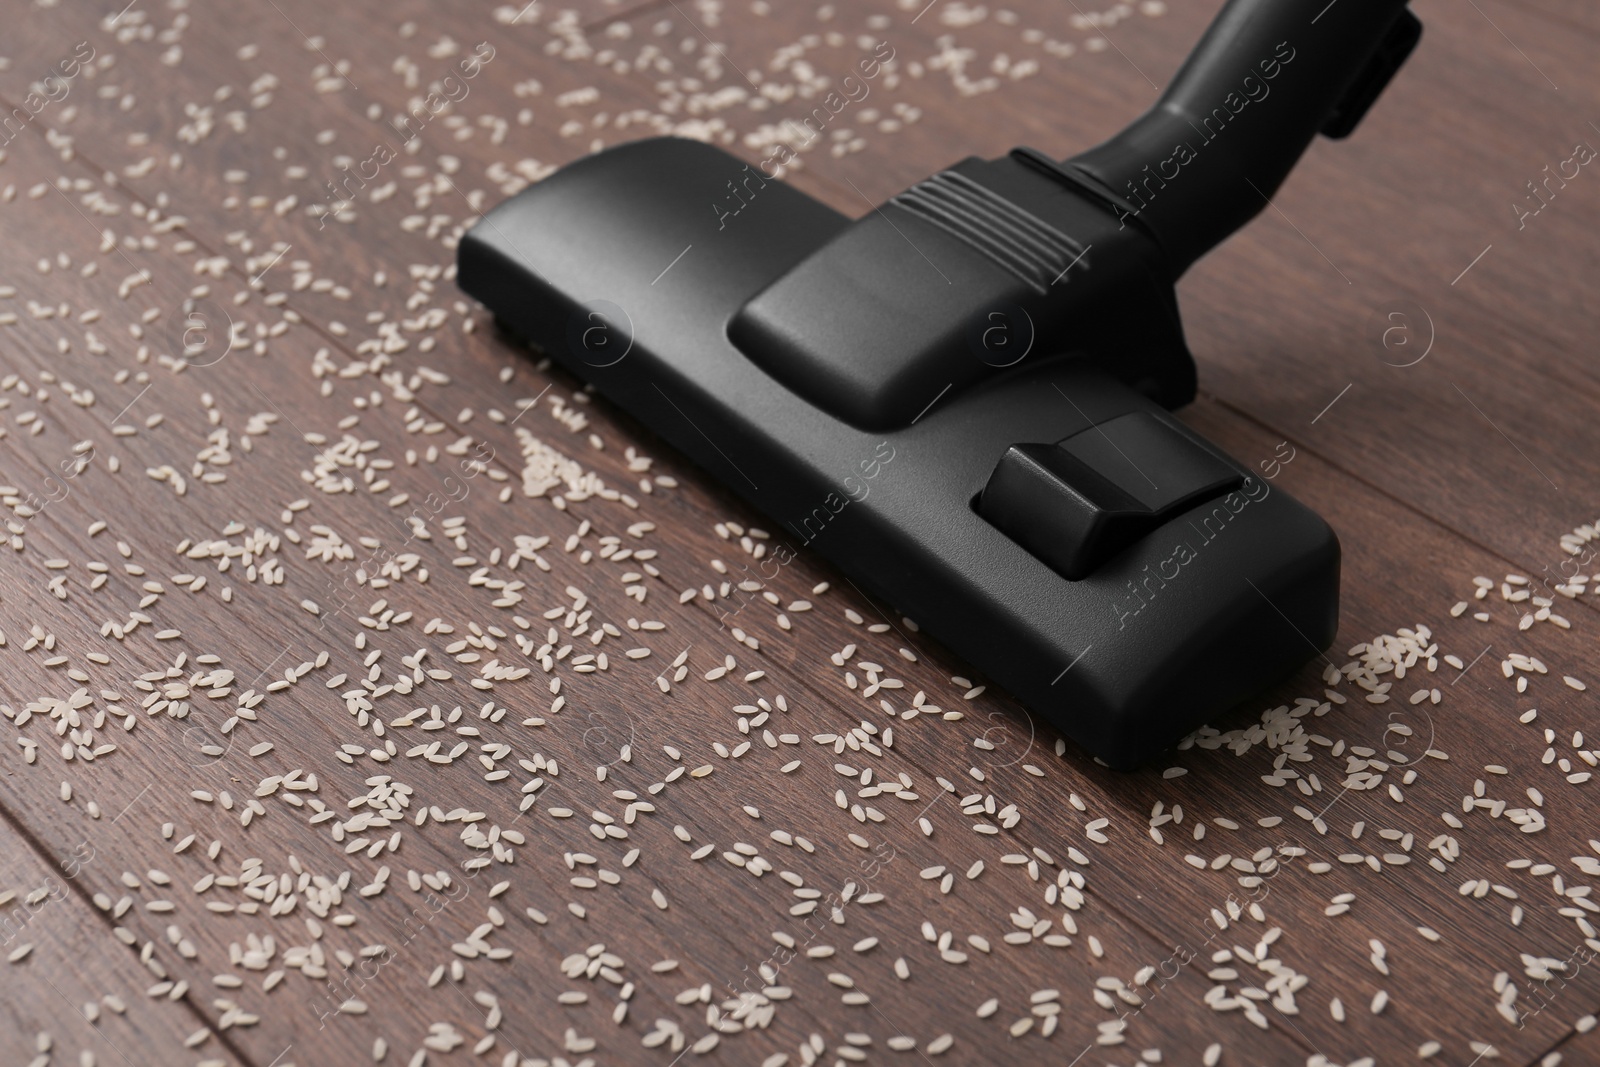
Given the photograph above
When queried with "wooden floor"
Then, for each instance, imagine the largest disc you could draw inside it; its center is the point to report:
(333, 745)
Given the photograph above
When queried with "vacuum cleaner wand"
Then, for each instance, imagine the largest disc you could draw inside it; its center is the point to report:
(960, 398)
(1256, 90)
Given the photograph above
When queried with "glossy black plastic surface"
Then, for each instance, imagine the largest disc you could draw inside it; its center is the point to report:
(965, 274)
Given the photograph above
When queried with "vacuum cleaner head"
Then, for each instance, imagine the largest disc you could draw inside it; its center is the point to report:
(961, 398)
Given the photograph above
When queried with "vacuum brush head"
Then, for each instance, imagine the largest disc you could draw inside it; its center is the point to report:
(961, 398)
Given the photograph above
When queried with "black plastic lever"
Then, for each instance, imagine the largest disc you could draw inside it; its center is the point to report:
(1077, 503)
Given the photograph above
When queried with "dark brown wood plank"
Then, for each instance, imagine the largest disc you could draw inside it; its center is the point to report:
(68, 995)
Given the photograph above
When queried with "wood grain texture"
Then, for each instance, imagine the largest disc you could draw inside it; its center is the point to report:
(68, 997)
(351, 345)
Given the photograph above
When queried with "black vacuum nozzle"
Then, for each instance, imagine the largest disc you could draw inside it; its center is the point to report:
(960, 398)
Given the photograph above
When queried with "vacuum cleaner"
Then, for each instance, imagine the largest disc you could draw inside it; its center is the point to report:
(961, 398)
